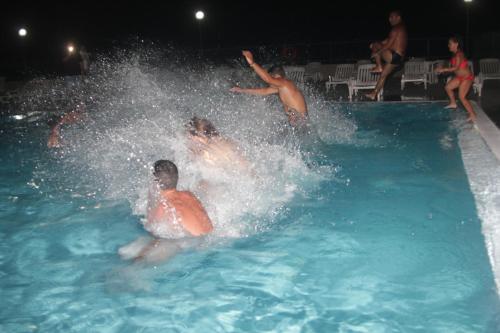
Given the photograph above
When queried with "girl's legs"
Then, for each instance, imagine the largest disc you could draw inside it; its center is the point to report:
(450, 86)
(463, 90)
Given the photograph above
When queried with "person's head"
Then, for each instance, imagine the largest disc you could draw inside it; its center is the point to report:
(166, 174)
(53, 120)
(277, 72)
(202, 128)
(395, 17)
(455, 44)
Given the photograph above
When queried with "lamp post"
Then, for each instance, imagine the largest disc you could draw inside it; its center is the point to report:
(200, 15)
(23, 34)
(70, 48)
(467, 26)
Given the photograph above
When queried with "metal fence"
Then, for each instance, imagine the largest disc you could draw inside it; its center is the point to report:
(328, 52)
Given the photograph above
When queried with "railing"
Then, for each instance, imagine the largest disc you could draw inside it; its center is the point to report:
(328, 52)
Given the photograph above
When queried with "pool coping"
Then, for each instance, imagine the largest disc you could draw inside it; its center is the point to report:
(488, 130)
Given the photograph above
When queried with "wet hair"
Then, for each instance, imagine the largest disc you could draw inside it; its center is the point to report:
(277, 70)
(53, 120)
(201, 127)
(397, 12)
(459, 40)
(166, 173)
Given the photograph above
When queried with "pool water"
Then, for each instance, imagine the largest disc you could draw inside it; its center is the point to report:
(392, 243)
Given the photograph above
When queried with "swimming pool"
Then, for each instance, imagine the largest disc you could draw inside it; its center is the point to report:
(392, 243)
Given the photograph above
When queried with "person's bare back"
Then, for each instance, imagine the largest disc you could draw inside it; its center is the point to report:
(179, 209)
(400, 39)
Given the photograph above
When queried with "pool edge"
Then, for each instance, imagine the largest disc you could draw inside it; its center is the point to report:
(481, 158)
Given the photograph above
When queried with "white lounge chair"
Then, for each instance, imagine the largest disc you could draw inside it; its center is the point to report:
(296, 74)
(415, 71)
(431, 66)
(313, 72)
(364, 62)
(489, 69)
(343, 74)
(365, 79)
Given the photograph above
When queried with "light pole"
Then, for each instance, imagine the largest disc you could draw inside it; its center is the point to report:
(200, 15)
(23, 34)
(467, 26)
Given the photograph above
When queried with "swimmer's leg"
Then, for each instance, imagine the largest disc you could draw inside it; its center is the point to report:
(132, 250)
(158, 250)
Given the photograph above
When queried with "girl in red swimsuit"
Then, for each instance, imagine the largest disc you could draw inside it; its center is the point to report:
(463, 80)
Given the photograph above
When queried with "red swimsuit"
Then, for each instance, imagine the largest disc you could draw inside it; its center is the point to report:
(463, 65)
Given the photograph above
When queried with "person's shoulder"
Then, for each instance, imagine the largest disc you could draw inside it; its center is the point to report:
(399, 27)
(188, 195)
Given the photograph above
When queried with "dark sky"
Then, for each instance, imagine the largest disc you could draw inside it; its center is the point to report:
(227, 23)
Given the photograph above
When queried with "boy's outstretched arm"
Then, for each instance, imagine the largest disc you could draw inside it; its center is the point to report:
(255, 91)
(261, 72)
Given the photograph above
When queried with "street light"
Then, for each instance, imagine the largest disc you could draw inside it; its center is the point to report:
(70, 48)
(22, 32)
(467, 27)
(200, 15)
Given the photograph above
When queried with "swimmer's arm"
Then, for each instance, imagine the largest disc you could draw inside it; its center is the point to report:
(265, 76)
(261, 72)
(155, 214)
(256, 91)
(54, 137)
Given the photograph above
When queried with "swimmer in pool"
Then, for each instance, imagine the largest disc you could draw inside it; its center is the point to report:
(463, 80)
(291, 97)
(206, 142)
(178, 214)
(56, 122)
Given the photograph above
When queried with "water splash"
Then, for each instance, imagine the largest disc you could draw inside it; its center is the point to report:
(137, 106)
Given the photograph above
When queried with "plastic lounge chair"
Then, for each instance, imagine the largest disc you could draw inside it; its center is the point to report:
(365, 79)
(296, 74)
(416, 72)
(343, 74)
(313, 71)
(489, 69)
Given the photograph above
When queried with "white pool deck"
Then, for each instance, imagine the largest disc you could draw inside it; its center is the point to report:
(480, 147)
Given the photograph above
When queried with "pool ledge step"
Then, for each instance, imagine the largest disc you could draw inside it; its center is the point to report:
(480, 148)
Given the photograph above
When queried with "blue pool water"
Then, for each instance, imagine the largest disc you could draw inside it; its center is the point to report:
(392, 243)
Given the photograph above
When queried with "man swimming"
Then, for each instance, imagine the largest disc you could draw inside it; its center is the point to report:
(214, 149)
(391, 50)
(172, 214)
(56, 122)
(291, 97)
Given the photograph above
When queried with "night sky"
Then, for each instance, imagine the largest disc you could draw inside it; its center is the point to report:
(227, 24)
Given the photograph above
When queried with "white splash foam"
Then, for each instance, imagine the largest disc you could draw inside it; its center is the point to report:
(137, 113)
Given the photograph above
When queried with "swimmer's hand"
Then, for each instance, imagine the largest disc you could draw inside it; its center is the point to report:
(248, 56)
(236, 90)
